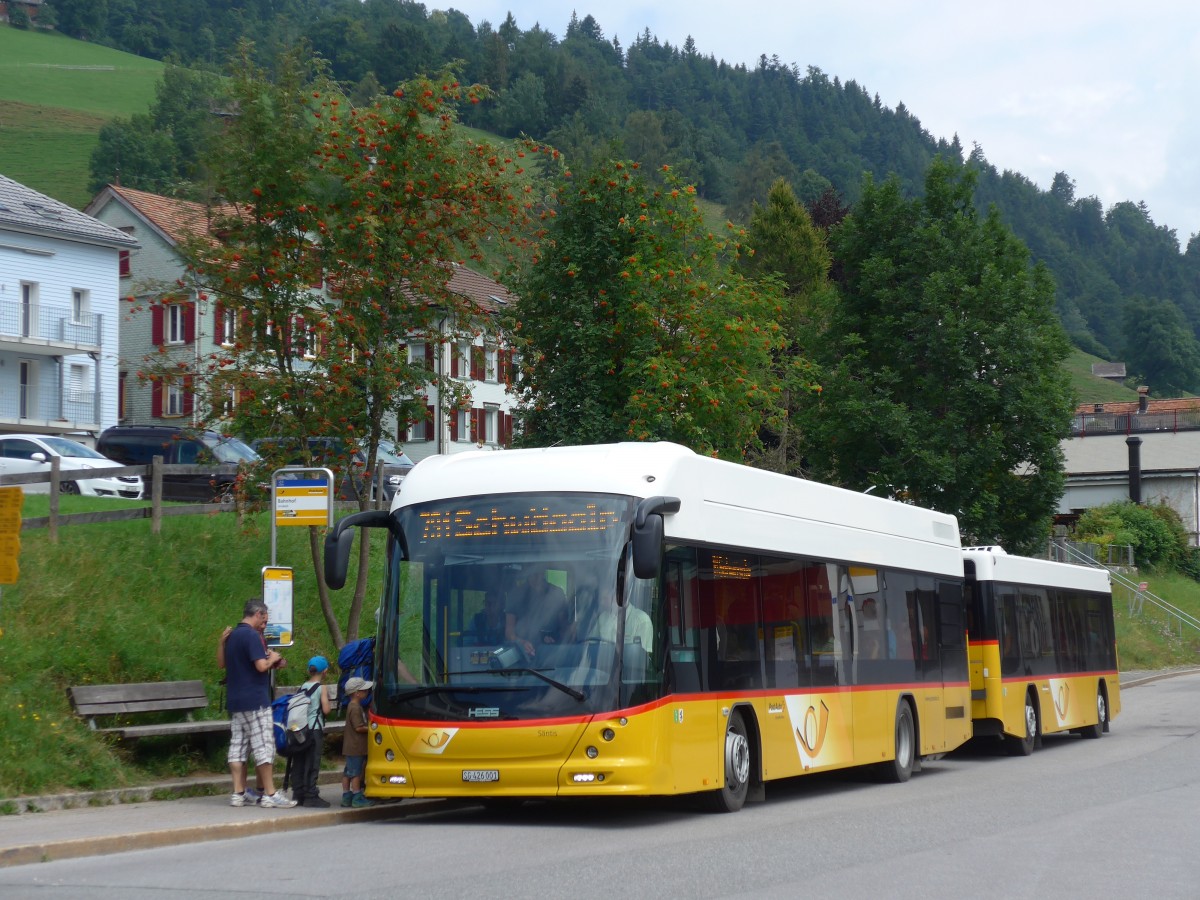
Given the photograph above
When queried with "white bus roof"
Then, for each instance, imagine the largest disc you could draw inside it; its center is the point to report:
(993, 564)
(722, 503)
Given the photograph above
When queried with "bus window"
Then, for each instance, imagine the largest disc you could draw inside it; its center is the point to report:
(821, 605)
(783, 589)
(735, 595)
(1010, 651)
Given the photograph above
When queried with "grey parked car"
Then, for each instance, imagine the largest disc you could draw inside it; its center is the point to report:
(137, 445)
(349, 468)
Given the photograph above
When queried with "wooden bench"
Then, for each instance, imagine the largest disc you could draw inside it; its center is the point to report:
(92, 701)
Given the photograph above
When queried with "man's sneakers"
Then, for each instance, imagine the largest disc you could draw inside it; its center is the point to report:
(276, 800)
(250, 798)
(359, 800)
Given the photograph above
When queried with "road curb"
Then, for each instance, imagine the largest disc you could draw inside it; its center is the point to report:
(48, 851)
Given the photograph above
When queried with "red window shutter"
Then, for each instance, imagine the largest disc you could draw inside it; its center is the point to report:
(156, 325)
(480, 425)
(429, 355)
(454, 360)
(299, 337)
(505, 429)
(476, 363)
(429, 423)
(189, 395)
(189, 322)
(156, 398)
(218, 324)
(125, 268)
(454, 426)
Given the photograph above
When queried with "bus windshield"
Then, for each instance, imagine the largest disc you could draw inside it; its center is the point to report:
(507, 609)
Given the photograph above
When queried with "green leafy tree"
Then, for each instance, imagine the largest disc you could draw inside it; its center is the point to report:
(631, 328)
(1156, 533)
(1161, 347)
(942, 379)
(787, 246)
(161, 151)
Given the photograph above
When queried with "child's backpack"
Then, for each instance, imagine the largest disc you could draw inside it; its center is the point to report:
(355, 658)
(290, 715)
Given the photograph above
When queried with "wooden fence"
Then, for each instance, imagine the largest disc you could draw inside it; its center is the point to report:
(152, 476)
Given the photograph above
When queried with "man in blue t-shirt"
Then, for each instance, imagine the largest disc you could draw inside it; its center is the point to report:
(248, 664)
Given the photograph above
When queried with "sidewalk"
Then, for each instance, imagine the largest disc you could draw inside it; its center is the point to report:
(66, 826)
(76, 825)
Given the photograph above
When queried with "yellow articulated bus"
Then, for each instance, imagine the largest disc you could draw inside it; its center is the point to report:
(1043, 648)
(635, 619)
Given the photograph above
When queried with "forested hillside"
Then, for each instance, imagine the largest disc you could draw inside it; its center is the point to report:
(1125, 289)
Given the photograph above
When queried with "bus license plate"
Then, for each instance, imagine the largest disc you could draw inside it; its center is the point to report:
(481, 775)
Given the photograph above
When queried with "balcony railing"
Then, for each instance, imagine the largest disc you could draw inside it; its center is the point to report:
(1126, 423)
(69, 410)
(48, 324)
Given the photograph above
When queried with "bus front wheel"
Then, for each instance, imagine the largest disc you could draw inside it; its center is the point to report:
(1025, 745)
(900, 768)
(732, 796)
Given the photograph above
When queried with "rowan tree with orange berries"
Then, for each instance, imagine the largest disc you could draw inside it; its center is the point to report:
(340, 229)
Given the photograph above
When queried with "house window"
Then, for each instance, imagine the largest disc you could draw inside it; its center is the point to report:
(491, 425)
(80, 304)
(490, 367)
(310, 341)
(77, 383)
(228, 326)
(125, 268)
(462, 425)
(417, 431)
(29, 309)
(462, 368)
(176, 323)
(173, 399)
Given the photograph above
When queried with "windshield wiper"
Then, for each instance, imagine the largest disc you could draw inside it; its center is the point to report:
(524, 670)
(415, 693)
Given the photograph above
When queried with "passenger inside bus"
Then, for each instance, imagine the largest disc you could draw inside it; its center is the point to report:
(490, 624)
(539, 613)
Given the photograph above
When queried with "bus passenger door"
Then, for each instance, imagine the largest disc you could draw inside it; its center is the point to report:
(824, 719)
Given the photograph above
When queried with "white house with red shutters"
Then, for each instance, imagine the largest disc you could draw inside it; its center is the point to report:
(190, 332)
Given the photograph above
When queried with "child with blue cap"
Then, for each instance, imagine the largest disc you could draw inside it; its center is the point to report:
(307, 764)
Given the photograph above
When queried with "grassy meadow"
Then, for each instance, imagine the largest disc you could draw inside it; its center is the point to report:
(55, 94)
(114, 603)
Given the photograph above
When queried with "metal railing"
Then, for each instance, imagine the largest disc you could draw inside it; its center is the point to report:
(1136, 593)
(1132, 423)
(51, 323)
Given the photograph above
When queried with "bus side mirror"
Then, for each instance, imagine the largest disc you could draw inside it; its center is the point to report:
(648, 534)
(341, 538)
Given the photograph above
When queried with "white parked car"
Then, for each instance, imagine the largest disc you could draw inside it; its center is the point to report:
(22, 453)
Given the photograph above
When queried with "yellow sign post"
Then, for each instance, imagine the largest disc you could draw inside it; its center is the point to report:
(11, 500)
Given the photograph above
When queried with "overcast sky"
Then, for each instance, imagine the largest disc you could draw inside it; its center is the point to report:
(1104, 91)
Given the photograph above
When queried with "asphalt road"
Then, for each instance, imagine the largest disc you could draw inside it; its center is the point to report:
(1110, 818)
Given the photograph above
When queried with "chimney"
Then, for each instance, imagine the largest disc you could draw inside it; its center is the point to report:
(1143, 399)
(1135, 468)
(1098, 408)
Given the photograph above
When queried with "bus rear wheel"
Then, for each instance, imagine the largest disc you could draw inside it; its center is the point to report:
(1024, 746)
(732, 796)
(1095, 731)
(900, 768)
